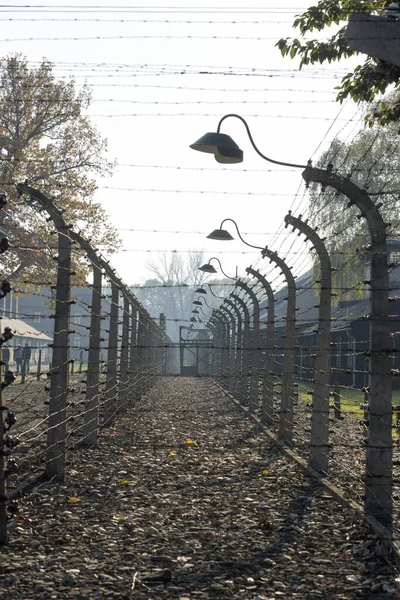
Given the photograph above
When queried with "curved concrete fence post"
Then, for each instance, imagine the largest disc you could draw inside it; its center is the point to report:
(267, 408)
(285, 431)
(379, 451)
(254, 346)
(319, 442)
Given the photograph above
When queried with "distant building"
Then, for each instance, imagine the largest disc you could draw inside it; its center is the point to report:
(350, 327)
(26, 334)
(35, 309)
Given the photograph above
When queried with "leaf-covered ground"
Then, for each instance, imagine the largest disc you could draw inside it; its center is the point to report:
(185, 498)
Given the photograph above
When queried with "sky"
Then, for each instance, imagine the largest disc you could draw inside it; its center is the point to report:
(161, 76)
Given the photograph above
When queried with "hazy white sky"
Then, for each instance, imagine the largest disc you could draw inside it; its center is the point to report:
(162, 76)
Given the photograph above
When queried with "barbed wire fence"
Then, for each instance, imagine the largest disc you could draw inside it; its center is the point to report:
(308, 366)
(55, 413)
(294, 371)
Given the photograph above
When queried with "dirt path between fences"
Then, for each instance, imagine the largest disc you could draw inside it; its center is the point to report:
(185, 498)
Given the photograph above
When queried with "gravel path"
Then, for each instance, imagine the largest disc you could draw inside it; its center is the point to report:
(186, 499)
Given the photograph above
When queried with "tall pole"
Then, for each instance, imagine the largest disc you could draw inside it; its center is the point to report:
(5, 422)
(140, 389)
(211, 325)
(267, 411)
(91, 416)
(133, 369)
(111, 387)
(215, 326)
(232, 349)
(57, 422)
(254, 343)
(244, 387)
(379, 451)
(123, 377)
(238, 348)
(224, 347)
(285, 431)
(319, 443)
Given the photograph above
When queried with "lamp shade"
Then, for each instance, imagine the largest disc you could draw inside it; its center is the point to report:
(228, 154)
(195, 311)
(197, 302)
(201, 291)
(221, 145)
(193, 319)
(220, 234)
(207, 268)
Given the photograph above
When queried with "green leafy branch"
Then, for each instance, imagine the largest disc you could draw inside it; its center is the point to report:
(366, 81)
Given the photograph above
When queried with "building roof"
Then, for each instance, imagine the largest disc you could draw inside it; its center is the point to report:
(306, 300)
(22, 329)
